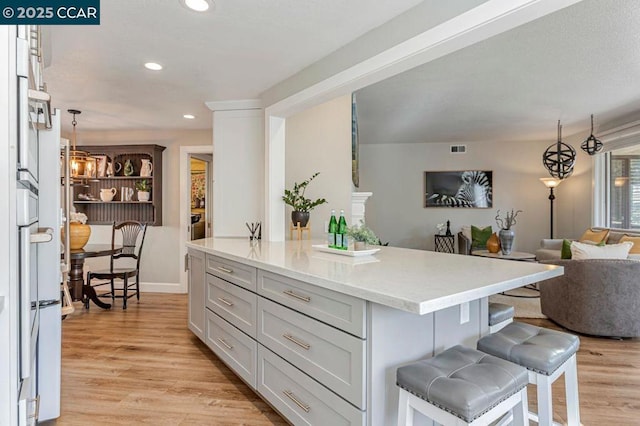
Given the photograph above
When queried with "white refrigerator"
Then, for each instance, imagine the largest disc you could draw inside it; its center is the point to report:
(30, 217)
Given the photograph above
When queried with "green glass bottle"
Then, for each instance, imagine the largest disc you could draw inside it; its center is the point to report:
(333, 230)
(341, 236)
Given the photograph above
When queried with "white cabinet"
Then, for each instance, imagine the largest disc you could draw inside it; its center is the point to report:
(196, 279)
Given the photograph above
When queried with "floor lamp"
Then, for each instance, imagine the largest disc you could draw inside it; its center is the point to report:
(551, 183)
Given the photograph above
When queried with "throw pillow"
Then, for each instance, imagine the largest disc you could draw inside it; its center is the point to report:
(636, 243)
(479, 237)
(581, 251)
(565, 253)
(594, 235)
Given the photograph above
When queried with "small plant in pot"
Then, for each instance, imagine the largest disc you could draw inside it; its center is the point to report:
(301, 205)
(362, 236)
(144, 190)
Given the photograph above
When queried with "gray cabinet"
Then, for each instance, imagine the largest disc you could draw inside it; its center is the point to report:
(302, 400)
(300, 346)
(197, 289)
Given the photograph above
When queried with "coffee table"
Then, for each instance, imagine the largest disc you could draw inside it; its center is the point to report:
(514, 255)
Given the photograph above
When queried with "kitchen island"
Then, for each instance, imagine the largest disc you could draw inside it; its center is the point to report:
(319, 335)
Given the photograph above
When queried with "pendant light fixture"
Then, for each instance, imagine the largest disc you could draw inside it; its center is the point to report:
(591, 145)
(82, 164)
(559, 158)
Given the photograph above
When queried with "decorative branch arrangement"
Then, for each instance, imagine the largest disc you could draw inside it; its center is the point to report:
(508, 221)
(296, 199)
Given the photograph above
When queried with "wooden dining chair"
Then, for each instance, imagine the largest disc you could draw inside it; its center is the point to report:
(133, 234)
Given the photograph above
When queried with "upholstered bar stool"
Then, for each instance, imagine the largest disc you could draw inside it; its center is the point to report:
(463, 386)
(500, 315)
(547, 354)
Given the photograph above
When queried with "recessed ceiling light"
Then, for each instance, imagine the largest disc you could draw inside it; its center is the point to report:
(189, 116)
(198, 5)
(153, 66)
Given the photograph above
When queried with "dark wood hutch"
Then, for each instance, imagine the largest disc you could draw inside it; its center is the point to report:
(86, 197)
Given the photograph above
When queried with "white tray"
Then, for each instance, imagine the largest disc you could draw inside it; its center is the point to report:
(353, 253)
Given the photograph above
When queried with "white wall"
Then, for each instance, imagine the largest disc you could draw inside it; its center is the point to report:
(161, 261)
(319, 140)
(574, 196)
(238, 156)
(395, 175)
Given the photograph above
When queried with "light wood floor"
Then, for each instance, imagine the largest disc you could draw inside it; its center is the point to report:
(143, 366)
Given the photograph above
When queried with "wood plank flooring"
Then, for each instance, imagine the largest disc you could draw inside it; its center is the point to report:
(143, 366)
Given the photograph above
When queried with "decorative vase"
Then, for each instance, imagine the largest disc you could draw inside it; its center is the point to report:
(128, 168)
(493, 243)
(79, 234)
(506, 240)
(299, 217)
(359, 245)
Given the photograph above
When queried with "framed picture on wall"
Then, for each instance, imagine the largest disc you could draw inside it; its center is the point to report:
(468, 188)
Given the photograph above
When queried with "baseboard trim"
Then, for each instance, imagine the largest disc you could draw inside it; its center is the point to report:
(160, 287)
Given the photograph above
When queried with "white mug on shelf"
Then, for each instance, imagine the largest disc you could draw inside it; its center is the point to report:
(107, 194)
(126, 193)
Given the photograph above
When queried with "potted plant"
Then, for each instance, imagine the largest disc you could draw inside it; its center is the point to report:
(362, 236)
(300, 204)
(506, 234)
(144, 190)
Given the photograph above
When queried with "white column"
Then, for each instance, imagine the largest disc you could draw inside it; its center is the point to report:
(358, 200)
(238, 166)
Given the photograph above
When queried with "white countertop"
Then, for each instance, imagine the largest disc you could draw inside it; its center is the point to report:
(415, 281)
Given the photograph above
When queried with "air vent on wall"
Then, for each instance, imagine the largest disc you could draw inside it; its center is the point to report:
(458, 149)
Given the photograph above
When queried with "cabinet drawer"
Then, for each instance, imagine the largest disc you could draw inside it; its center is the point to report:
(340, 310)
(235, 348)
(235, 304)
(332, 357)
(302, 400)
(237, 273)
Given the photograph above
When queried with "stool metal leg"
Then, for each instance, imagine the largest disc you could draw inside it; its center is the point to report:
(571, 389)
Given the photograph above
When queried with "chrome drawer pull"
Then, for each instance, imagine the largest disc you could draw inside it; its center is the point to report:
(36, 411)
(227, 270)
(297, 342)
(292, 397)
(225, 344)
(297, 296)
(225, 301)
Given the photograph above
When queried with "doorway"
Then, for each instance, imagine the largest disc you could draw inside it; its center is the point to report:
(200, 210)
(196, 199)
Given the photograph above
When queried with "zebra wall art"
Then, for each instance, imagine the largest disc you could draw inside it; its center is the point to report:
(470, 188)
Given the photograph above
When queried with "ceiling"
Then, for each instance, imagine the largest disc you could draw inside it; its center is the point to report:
(582, 60)
(235, 51)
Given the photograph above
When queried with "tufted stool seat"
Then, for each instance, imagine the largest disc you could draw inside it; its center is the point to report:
(547, 354)
(462, 383)
(499, 316)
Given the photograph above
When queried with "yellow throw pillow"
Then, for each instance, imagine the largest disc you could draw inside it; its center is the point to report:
(636, 243)
(594, 236)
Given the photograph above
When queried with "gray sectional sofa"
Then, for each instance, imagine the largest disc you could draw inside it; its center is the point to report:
(599, 297)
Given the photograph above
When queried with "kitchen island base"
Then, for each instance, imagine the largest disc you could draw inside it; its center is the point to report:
(320, 337)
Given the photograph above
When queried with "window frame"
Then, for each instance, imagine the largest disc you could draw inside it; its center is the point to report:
(614, 139)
